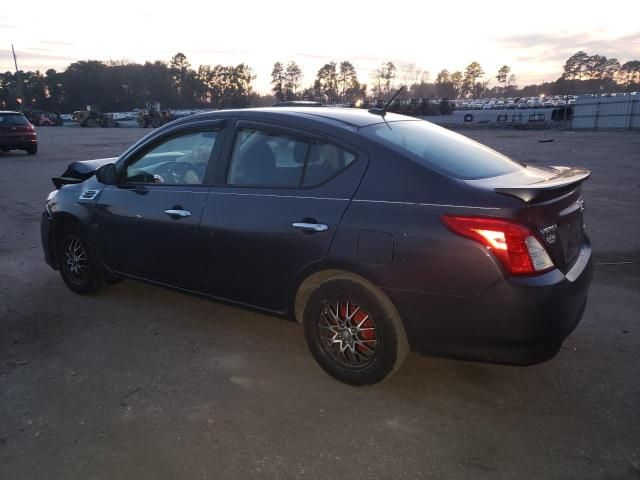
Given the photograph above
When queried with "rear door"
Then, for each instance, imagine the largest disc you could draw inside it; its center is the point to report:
(280, 199)
(149, 222)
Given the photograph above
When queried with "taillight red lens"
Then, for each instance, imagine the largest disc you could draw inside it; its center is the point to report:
(512, 243)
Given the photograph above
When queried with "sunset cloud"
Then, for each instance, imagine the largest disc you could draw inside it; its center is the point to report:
(430, 35)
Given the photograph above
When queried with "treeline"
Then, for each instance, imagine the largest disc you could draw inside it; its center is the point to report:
(338, 83)
(122, 86)
(591, 73)
(581, 73)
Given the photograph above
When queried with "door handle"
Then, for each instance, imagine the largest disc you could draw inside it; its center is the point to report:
(311, 227)
(178, 213)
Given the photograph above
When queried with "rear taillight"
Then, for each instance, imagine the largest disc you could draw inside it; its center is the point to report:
(513, 244)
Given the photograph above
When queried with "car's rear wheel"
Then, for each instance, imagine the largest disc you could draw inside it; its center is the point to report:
(77, 260)
(32, 149)
(353, 332)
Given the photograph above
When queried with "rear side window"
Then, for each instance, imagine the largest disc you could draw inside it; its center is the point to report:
(262, 158)
(325, 161)
(13, 119)
(442, 150)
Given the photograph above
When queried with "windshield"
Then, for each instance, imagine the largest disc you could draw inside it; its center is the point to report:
(442, 150)
(12, 119)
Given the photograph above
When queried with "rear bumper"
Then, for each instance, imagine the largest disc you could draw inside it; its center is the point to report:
(17, 142)
(520, 321)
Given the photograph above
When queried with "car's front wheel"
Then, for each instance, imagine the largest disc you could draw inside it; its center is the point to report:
(353, 332)
(77, 260)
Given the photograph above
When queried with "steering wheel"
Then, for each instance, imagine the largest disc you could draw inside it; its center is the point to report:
(177, 171)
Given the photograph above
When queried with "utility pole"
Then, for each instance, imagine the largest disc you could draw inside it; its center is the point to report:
(20, 98)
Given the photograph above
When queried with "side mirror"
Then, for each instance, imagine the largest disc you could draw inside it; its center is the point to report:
(107, 174)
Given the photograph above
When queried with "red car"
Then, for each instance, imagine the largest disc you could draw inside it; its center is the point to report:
(16, 133)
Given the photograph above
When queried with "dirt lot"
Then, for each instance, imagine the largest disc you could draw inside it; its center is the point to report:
(140, 382)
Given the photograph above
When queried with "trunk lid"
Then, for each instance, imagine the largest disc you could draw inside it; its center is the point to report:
(553, 196)
(15, 129)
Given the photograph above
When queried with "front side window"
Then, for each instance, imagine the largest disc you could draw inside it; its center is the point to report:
(263, 158)
(180, 159)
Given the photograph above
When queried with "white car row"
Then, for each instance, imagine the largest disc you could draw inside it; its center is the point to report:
(513, 103)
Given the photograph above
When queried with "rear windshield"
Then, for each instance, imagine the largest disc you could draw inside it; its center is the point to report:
(12, 119)
(442, 150)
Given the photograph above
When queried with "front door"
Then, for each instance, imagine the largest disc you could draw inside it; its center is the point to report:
(149, 222)
(283, 197)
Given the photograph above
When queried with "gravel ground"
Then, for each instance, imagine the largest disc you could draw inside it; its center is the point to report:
(142, 382)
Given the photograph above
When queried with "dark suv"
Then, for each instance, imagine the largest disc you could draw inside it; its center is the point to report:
(380, 233)
(16, 133)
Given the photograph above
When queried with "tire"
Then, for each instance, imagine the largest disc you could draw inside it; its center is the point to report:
(77, 260)
(468, 117)
(32, 150)
(353, 332)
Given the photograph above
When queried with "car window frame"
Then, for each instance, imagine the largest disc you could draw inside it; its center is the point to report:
(218, 125)
(300, 134)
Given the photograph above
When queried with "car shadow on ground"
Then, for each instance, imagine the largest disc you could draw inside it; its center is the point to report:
(156, 320)
(14, 153)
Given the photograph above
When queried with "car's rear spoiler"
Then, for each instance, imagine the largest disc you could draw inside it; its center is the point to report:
(535, 183)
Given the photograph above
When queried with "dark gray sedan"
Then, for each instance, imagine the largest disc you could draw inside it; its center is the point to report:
(379, 233)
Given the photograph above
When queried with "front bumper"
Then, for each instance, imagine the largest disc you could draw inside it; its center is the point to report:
(519, 321)
(46, 231)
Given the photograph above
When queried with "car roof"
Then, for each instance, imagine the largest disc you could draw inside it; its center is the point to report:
(299, 103)
(341, 117)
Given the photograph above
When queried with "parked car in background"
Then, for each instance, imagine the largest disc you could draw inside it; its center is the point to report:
(48, 119)
(378, 232)
(16, 133)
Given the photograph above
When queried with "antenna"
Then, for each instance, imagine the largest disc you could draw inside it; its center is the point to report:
(383, 111)
(18, 80)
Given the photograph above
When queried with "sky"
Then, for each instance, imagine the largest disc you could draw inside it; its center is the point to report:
(533, 38)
